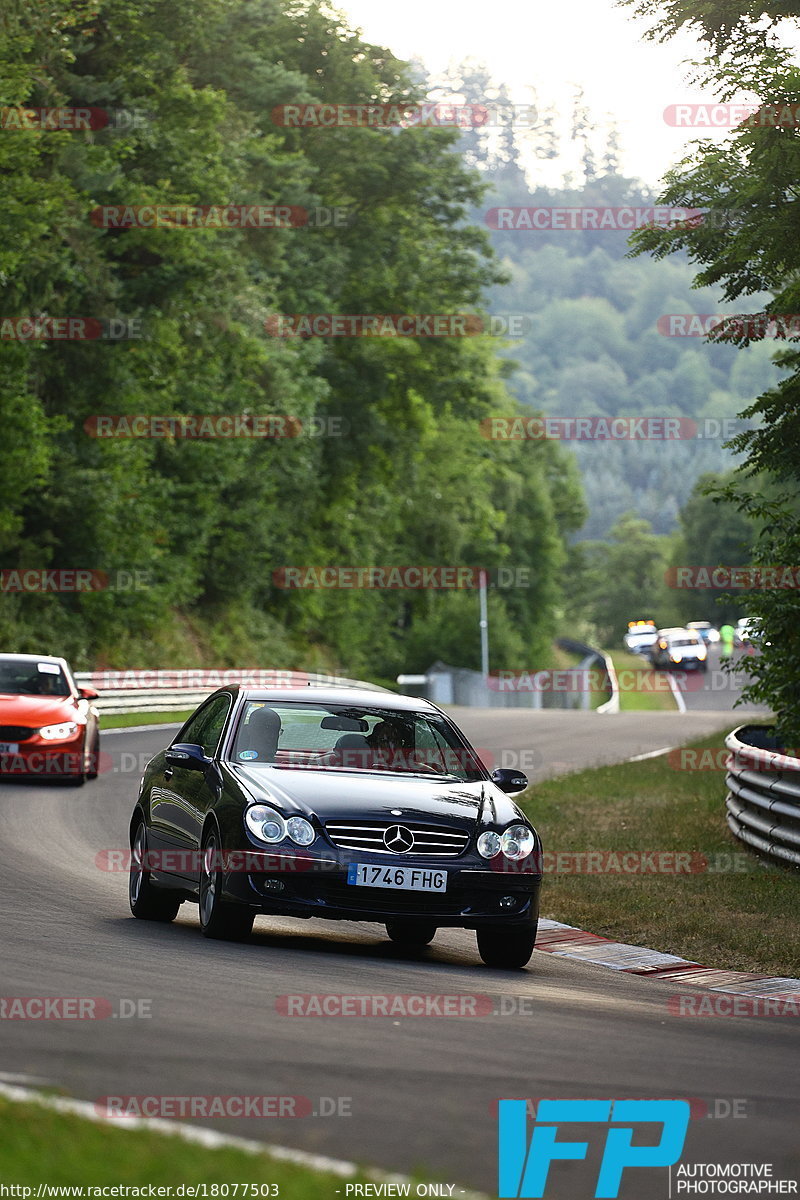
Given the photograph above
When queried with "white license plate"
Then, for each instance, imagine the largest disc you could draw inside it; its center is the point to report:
(9, 747)
(404, 879)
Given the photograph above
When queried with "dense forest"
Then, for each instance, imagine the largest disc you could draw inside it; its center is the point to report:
(189, 537)
(388, 467)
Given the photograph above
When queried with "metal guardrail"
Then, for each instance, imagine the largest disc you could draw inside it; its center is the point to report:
(175, 690)
(448, 685)
(763, 800)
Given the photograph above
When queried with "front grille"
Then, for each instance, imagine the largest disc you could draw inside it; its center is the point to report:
(15, 733)
(368, 835)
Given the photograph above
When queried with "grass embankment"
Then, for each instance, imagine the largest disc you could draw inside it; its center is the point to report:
(123, 720)
(736, 912)
(641, 688)
(42, 1146)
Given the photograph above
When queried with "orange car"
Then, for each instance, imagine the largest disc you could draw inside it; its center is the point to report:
(49, 727)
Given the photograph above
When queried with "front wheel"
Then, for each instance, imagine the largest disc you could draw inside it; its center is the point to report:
(94, 758)
(506, 948)
(411, 934)
(147, 902)
(219, 918)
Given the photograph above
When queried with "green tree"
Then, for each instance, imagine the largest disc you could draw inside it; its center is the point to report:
(747, 242)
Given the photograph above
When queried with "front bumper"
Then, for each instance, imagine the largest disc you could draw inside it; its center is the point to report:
(44, 760)
(316, 886)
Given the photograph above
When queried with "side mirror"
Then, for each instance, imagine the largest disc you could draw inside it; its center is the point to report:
(508, 780)
(188, 756)
(87, 693)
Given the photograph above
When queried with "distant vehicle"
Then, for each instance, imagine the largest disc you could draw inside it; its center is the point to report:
(746, 630)
(679, 647)
(640, 636)
(49, 727)
(707, 632)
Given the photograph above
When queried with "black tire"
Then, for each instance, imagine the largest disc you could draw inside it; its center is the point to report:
(506, 948)
(219, 919)
(411, 934)
(78, 779)
(94, 758)
(147, 902)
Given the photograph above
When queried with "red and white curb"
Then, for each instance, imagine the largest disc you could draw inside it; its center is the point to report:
(565, 941)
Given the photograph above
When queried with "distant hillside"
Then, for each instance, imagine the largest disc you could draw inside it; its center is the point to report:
(594, 349)
(593, 346)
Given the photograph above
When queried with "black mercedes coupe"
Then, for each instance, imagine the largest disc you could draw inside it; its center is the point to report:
(341, 803)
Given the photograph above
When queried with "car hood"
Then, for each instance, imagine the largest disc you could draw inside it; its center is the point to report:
(37, 710)
(334, 795)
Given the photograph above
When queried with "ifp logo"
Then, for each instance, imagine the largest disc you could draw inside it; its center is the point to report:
(523, 1169)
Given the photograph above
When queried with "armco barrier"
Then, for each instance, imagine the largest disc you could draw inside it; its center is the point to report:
(763, 800)
(174, 690)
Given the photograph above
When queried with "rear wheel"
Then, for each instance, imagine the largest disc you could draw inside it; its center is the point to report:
(79, 776)
(147, 902)
(219, 918)
(411, 934)
(506, 948)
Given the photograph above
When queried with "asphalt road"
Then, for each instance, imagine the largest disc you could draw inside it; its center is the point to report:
(718, 689)
(420, 1089)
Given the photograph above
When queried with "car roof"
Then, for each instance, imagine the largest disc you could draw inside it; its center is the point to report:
(31, 658)
(360, 697)
(675, 629)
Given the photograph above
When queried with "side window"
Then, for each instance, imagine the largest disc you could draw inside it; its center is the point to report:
(205, 728)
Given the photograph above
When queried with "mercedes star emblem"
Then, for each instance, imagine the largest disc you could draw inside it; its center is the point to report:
(398, 839)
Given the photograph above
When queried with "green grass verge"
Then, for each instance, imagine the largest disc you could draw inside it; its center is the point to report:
(42, 1146)
(742, 918)
(632, 668)
(123, 720)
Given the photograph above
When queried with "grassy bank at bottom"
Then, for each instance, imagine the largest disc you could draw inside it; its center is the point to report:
(42, 1146)
(728, 910)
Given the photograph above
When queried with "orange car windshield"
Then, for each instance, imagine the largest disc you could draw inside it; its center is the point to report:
(32, 679)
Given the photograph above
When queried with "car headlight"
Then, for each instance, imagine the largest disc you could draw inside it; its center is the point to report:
(300, 831)
(267, 824)
(517, 842)
(59, 733)
(676, 656)
(489, 844)
(701, 653)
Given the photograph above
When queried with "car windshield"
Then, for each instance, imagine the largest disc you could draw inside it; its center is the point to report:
(684, 641)
(32, 678)
(335, 737)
